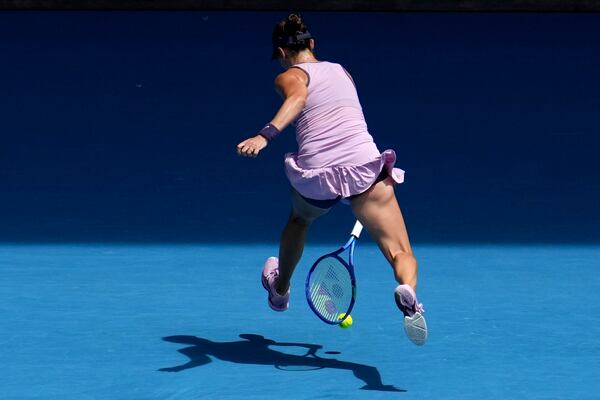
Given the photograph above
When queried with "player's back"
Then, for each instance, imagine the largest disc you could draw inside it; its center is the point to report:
(331, 129)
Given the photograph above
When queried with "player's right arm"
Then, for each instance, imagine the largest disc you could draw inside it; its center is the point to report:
(292, 86)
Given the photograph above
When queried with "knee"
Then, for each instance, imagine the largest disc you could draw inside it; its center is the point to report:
(300, 221)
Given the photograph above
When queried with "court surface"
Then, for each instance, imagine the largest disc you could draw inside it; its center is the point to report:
(192, 322)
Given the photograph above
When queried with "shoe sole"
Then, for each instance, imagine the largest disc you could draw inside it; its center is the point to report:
(416, 328)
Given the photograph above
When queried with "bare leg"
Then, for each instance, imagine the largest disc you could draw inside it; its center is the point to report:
(378, 210)
(293, 236)
(291, 248)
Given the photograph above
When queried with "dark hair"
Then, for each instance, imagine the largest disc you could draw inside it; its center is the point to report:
(291, 33)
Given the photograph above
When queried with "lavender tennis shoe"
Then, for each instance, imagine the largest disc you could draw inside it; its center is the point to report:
(415, 325)
(270, 274)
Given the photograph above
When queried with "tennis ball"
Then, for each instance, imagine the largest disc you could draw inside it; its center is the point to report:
(346, 323)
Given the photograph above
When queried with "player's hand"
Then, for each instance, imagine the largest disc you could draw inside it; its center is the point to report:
(251, 147)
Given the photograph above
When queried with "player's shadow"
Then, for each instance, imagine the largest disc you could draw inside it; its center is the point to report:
(256, 349)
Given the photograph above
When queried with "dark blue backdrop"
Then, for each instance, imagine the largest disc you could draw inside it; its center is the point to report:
(123, 126)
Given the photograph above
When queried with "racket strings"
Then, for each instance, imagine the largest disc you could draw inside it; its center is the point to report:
(330, 289)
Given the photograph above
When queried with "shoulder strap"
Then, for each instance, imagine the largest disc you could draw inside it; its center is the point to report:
(306, 72)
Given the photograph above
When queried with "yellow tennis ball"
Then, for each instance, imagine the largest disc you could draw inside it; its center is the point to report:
(346, 323)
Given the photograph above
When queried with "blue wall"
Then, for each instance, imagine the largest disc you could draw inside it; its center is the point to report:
(123, 126)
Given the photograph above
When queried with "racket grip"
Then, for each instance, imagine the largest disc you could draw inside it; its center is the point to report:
(357, 229)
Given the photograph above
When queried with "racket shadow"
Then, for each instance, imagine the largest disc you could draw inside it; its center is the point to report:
(256, 349)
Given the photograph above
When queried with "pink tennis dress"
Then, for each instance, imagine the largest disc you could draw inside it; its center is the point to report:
(336, 154)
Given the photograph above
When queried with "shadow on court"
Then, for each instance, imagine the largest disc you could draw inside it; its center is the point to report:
(255, 349)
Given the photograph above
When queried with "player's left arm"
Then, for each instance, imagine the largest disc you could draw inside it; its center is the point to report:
(292, 85)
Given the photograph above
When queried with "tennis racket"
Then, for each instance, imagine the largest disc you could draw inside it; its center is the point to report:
(331, 284)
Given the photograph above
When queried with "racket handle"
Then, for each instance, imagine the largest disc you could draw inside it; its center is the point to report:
(357, 229)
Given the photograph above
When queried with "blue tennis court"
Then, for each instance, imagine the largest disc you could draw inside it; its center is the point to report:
(132, 236)
(186, 322)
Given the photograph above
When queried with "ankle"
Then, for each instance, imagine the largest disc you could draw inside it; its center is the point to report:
(407, 280)
(282, 289)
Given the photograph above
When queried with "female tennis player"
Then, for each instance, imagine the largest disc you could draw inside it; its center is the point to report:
(337, 159)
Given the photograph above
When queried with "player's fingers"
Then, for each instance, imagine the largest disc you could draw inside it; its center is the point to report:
(240, 147)
(247, 150)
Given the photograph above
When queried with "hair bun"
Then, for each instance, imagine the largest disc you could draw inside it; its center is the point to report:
(295, 18)
(295, 23)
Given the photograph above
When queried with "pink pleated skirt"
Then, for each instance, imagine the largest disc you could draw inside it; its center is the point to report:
(340, 180)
